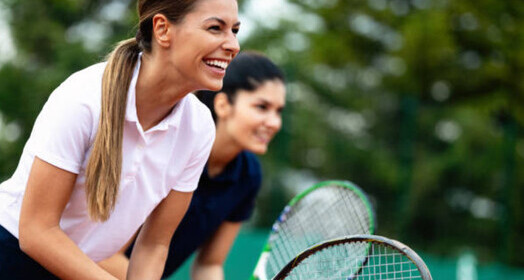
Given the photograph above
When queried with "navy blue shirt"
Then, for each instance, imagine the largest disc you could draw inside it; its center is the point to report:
(229, 196)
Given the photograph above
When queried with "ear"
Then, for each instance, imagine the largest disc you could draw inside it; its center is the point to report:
(161, 28)
(222, 105)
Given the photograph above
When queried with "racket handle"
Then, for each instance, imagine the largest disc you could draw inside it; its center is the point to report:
(260, 269)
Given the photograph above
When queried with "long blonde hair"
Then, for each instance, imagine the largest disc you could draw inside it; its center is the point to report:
(105, 163)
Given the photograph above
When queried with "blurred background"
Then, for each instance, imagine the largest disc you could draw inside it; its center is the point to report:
(419, 102)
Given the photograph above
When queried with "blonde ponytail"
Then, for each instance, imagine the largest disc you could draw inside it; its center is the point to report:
(105, 163)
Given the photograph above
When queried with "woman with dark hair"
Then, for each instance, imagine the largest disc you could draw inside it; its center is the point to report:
(247, 114)
(113, 136)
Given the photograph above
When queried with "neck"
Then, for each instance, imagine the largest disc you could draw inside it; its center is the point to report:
(223, 152)
(157, 92)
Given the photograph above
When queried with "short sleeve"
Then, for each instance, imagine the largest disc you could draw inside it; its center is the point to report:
(188, 181)
(61, 134)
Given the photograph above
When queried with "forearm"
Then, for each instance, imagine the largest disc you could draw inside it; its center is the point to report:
(207, 272)
(147, 261)
(117, 265)
(55, 251)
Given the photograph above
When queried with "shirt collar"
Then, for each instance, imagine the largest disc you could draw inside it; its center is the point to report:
(231, 172)
(173, 119)
(131, 93)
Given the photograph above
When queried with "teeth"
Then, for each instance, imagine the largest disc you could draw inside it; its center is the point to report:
(264, 136)
(217, 63)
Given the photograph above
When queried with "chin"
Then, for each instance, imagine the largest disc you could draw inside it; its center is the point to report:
(214, 85)
(259, 150)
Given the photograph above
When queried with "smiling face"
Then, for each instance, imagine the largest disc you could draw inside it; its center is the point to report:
(254, 117)
(203, 43)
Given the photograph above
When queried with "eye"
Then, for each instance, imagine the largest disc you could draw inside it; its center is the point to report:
(261, 107)
(235, 30)
(214, 28)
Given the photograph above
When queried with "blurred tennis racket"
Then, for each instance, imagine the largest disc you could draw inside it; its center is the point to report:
(343, 259)
(325, 211)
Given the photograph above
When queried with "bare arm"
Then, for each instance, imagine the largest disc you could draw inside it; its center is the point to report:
(48, 191)
(209, 264)
(152, 244)
(118, 264)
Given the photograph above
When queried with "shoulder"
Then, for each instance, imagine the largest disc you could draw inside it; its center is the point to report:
(80, 92)
(251, 168)
(76, 101)
(197, 116)
(91, 72)
(251, 162)
(198, 108)
(89, 77)
(82, 87)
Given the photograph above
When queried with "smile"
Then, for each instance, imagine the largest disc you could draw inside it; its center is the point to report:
(263, 137)
(221, 64)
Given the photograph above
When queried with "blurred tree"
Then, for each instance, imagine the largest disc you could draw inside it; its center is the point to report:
(401, 97)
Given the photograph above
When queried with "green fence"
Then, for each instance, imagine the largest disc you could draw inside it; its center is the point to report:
(244, 255)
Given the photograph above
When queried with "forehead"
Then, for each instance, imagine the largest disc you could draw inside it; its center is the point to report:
(271, 91)
(226, 10)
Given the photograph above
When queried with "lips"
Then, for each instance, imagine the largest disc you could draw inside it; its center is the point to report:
(263, 137)
(217, 63)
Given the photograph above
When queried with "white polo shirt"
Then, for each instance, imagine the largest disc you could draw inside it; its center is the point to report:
(169, 156)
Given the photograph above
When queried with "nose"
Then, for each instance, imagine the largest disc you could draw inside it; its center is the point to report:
(231, 44)
(274, 121)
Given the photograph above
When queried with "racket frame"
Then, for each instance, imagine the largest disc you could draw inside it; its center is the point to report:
(259, 272)
(397, 245)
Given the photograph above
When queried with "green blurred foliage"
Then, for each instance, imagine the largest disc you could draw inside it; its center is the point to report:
(419, 102)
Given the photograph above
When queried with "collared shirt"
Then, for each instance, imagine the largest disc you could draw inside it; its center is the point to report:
(230, 196)
(169, 156)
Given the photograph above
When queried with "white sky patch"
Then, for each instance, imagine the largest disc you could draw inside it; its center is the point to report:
(114, 11)
(269, 13)
(7, 49)
(91, 33)
(246, 27)
(448, 130)
(9, 132)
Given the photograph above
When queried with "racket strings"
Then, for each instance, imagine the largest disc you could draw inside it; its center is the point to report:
(332, 212)
(322, 224)
(304, 223)
(356, 261)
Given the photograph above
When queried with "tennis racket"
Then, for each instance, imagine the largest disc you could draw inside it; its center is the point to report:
(325, 211)
(355, 257)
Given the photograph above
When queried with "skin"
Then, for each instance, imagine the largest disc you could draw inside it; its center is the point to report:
(168, 73)
(248, 124)
(177, 66)
(212, 255)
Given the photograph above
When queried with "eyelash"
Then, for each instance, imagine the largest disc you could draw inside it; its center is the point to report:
(218, 28)
(261, 106)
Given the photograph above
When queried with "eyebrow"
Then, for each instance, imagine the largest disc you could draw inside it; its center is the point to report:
(221, 21)
(261, 99)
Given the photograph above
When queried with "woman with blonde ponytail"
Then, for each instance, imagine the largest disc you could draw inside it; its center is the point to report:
(118, 147)
(247, 113)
